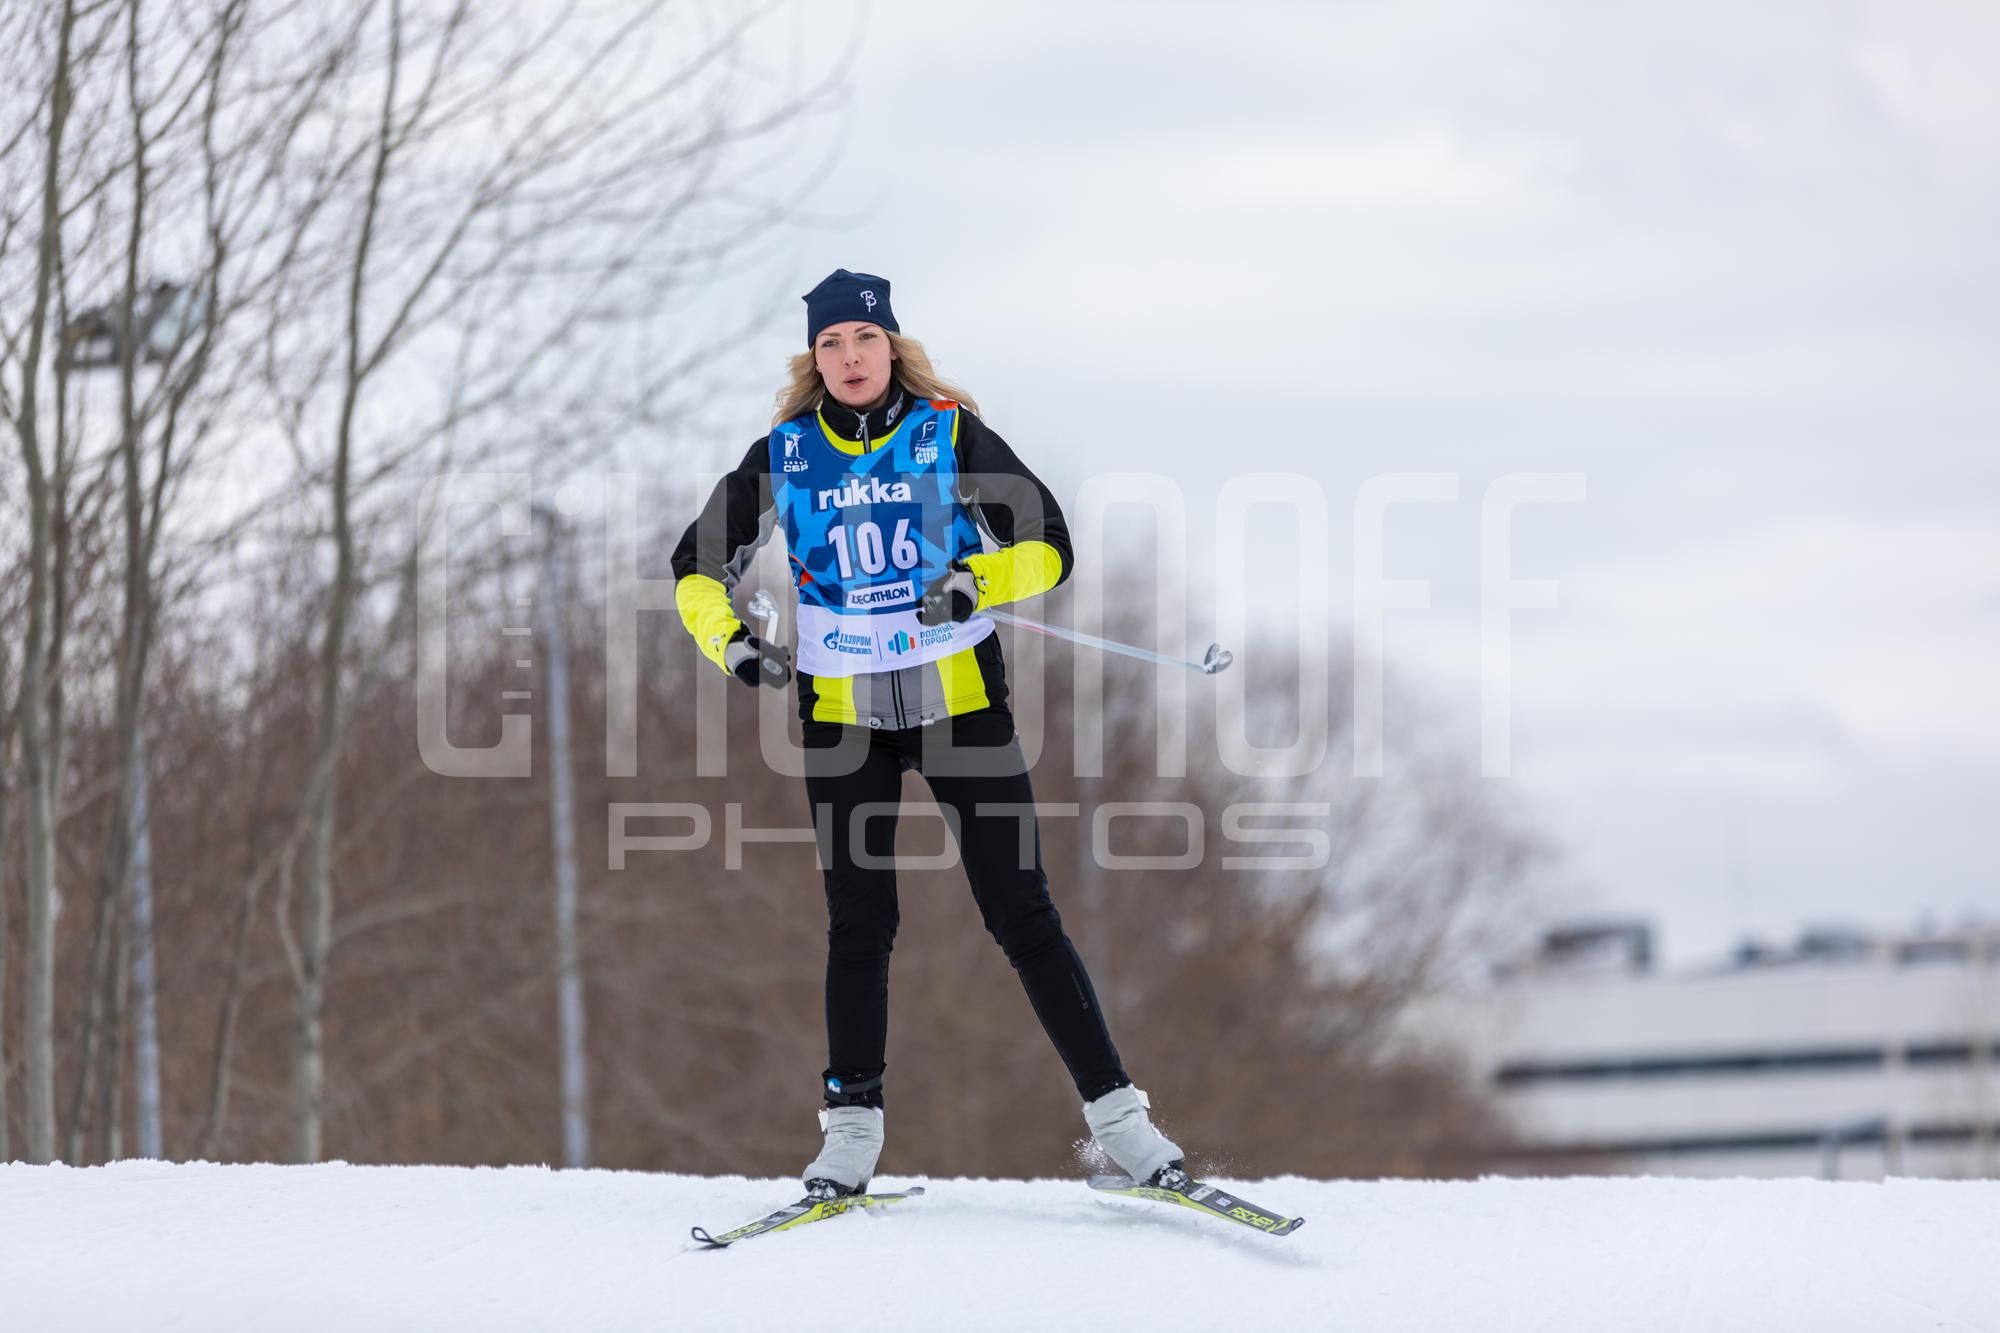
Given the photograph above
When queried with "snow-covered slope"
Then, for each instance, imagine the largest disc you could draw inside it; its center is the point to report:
(154, 1246)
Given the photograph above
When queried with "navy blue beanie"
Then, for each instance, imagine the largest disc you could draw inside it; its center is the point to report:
(842, 296)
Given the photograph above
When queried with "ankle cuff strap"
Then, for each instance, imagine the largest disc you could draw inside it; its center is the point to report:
(851, 1091)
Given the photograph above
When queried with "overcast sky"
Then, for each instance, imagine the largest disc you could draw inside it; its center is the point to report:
(1737, 265)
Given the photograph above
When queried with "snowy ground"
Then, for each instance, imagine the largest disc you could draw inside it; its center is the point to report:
(154, 1246)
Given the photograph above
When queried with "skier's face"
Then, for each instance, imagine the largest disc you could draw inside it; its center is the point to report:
(854, 361)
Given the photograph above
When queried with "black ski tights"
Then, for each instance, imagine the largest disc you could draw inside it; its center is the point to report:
(854, 780)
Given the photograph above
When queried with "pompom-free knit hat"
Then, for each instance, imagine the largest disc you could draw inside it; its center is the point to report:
(842, 296)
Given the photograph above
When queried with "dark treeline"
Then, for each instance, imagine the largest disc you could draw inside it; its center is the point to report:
(1255, 1005)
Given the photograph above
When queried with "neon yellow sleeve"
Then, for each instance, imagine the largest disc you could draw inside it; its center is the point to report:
(706, 611)
(1015, 573)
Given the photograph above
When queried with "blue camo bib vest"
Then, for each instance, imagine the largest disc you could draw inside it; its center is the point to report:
(867, 534)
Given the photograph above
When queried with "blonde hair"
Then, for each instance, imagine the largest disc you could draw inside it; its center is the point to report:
(804, 390)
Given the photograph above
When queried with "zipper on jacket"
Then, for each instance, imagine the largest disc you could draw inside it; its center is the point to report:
(895, 676)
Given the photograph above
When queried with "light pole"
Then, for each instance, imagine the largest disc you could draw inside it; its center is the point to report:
(162, 321)
(569, 973)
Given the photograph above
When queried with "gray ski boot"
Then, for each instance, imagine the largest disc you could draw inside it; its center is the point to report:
(1119, 1123)
(846, 1163)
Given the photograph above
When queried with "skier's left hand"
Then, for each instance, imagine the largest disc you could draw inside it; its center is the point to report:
(951, 597)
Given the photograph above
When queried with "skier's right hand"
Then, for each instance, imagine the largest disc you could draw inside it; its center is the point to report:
(754, 662)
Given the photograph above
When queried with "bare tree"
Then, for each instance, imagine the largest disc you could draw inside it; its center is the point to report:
(137, 164)
(39, 725)
(142, 512)
(163, 176)
(517, 194)
(7, 713)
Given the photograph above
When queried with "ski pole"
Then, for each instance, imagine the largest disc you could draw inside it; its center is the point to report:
(1216, 659)
(766, 612)
(776, 660)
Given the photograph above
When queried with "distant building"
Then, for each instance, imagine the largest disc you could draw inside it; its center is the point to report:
(1844, 1055)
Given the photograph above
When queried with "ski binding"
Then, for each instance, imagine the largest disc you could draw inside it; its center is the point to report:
(799, 1214)
(1203, 1198)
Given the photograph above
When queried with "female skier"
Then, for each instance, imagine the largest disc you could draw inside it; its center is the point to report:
(884, 481)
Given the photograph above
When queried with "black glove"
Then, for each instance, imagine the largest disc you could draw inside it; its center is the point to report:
(951, 597)
(755, 662)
